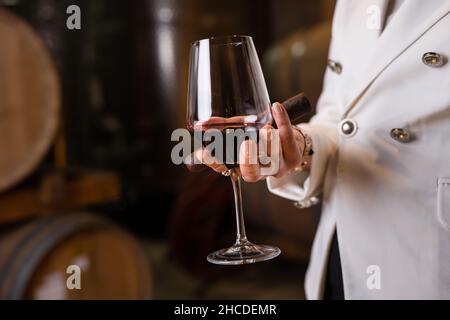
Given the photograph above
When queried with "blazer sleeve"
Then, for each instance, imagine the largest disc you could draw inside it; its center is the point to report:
(323, 129)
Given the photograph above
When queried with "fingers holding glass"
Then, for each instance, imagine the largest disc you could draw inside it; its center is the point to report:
(205, 157)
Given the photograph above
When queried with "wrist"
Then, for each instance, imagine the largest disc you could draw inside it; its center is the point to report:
(306, 149)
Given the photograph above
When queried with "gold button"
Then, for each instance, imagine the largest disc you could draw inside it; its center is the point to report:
(402, 135)
(307, 203)
(433, 59)
(335, 66)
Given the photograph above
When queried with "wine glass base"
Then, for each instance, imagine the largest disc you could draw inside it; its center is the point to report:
(243, 253)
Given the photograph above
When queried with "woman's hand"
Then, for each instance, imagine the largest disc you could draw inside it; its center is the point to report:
(290, 157)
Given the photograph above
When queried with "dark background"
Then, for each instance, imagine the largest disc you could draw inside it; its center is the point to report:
(124, 78)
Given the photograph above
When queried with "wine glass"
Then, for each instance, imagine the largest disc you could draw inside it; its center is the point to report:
(227, 91)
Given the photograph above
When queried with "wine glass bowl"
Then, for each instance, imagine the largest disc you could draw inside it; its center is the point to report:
(227, 93)
(226, 80)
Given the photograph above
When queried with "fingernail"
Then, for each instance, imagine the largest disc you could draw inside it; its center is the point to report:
(276, 108)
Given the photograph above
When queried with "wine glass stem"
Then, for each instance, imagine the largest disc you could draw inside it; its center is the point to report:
(240, 226)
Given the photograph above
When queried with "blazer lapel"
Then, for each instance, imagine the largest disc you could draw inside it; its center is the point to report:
(412, 20)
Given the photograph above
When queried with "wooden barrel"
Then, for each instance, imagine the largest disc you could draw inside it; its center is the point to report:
(40, 260)
(29, 100)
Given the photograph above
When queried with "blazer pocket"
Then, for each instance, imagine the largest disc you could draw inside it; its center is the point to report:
(443, 202)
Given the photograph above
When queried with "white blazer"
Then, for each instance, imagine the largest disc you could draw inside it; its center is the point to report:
(387, 191)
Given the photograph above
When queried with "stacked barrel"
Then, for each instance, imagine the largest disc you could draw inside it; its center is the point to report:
(50, 247)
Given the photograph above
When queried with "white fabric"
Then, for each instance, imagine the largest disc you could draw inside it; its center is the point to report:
(390, 201)
(394, 6)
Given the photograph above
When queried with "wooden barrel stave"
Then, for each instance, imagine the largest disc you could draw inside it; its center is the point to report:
(112, 266)
(29, 100)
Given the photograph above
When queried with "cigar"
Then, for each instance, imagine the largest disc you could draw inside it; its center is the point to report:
(296, 107)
